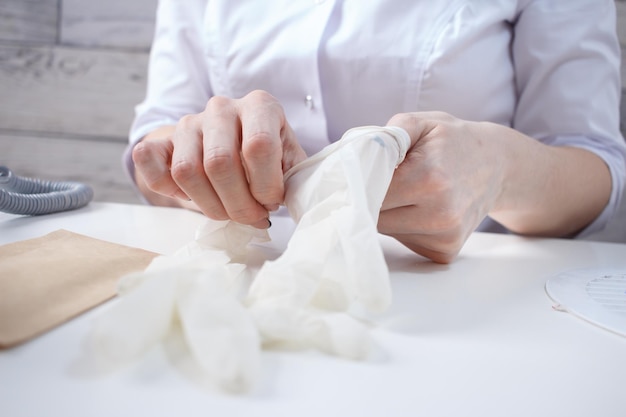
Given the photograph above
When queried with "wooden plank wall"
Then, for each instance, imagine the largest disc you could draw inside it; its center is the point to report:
(71, 72)
(74, 67)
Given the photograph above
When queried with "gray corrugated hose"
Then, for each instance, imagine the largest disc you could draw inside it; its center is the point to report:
(30, 196)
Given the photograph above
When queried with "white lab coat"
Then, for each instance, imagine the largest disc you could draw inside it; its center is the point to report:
(548, 68)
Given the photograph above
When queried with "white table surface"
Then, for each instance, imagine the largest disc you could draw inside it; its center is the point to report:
(477, 337)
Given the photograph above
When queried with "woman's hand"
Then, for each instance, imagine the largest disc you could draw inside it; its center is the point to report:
(228, 160)
(458, 172)
(445, 187)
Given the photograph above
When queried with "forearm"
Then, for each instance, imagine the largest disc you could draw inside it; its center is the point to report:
(548, 190)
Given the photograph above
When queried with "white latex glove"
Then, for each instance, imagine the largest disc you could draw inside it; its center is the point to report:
(333, 260)
(201, 285)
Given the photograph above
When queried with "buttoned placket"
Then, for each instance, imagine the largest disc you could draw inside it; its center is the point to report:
(313, 117)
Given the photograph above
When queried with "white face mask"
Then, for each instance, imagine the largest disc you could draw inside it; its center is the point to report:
(597, 295)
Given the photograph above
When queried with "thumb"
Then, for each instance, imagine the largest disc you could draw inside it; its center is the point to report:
(418, 125)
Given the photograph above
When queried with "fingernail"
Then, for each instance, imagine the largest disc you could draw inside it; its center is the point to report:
(263, 224)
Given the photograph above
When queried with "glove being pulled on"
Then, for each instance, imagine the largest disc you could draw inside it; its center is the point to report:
(333, 262)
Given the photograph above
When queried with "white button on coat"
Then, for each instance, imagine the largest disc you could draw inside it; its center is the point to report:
(308, 102)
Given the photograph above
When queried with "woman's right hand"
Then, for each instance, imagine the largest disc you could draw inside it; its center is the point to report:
(228, 160)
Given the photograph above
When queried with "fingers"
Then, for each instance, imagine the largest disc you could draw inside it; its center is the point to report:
(229, 159)
(262, 126)
(441, 191)
(187, 168)
(152, 162)
(419, 125)
(422, 177)
(223, 166)
(437, 238)
(293, 153)
(426, 247)
(422, 173)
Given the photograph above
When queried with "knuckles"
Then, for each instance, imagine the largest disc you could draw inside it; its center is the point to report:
(184, 171)
(218, 163)
(142, 153)
(188, 123)
(260, 97)
(254, 100)
(259, 146)
(143, 156)
(218, 104)
(412, 122)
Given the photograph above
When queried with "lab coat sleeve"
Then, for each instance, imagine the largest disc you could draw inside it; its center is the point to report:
(567, 60)
(178, 81)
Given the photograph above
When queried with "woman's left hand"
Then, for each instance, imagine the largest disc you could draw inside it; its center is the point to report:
(448, 182)
(457, 172)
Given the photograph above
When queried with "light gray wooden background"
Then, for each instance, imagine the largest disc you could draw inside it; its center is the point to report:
(71, 72)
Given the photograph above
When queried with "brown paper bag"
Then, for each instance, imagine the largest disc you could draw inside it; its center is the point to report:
(48, 280)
